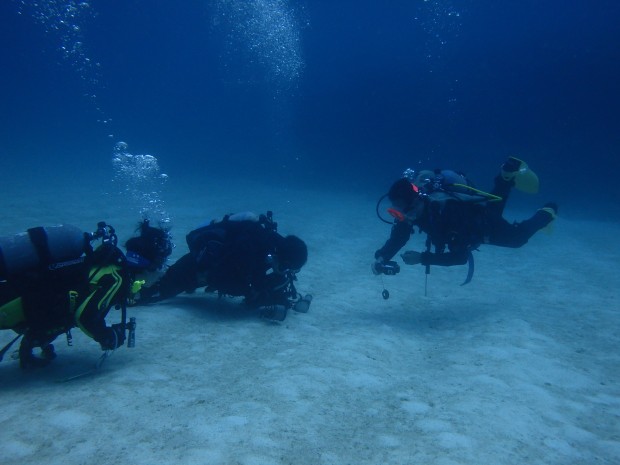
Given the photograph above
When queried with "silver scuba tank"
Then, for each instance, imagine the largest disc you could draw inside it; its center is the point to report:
(40, 247)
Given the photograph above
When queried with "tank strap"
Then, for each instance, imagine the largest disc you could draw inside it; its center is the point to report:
(38, 237)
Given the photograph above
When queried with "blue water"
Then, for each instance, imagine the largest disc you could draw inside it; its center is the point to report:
(324, 93)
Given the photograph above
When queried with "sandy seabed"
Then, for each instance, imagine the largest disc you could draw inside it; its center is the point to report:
(521, 366)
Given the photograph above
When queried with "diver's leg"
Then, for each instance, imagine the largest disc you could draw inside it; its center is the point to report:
(513, 173)
(515, 235)
(30, 340)
(495, 208)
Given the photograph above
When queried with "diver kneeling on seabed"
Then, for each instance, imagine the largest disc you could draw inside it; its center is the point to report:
(456, 217)
(52, 280)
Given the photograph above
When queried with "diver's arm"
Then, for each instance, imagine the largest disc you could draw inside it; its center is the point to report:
(401, 232)
(180, 277)
(91, 313)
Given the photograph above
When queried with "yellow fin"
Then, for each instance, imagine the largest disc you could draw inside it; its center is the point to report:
(526, 180)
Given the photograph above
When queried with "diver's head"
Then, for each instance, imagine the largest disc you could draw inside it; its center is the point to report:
(403, 194)
(150, 250)
(292, 254)
(423, 180)
(407, 200)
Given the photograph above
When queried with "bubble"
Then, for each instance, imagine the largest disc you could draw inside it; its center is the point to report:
(120, 146)
(65, 22)
(139, 181)
(440, 20)
(264, 34)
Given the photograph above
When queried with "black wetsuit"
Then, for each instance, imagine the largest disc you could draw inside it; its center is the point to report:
(231, 257)
(455, 227)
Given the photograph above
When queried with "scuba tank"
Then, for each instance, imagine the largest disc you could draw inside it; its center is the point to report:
(441, 185)
(39, 248)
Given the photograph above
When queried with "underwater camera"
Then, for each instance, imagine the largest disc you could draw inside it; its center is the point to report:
(388, 268)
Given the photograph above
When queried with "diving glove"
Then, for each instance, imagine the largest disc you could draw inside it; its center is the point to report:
(303, 304)
(411, 257)
(376, 266)
(273, 312)
(114, 337)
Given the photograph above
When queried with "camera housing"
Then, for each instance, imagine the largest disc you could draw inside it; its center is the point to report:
(388, 268)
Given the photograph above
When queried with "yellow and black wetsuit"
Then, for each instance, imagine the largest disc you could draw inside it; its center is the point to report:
(53, 302)
(107, 288)
(11, 308)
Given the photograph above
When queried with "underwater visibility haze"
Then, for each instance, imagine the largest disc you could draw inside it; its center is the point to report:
(316, 93)
(182, 111)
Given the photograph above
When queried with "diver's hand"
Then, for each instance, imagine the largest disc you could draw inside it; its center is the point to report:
(377, 266)
(303, 304)
(114, 338)
(148, 295)
(411, 257)
(273, 312)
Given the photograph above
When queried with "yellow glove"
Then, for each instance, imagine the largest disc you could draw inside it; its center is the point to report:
(137, 285)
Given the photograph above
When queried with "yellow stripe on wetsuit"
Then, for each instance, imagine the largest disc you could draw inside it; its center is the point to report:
(105, 302)
(11, 314)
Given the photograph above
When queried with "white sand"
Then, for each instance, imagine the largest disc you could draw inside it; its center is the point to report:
(521, 366)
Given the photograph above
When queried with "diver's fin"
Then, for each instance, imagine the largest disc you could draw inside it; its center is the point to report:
(524, 178)
(552, 209)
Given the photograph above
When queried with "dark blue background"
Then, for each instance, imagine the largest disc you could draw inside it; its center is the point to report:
(385, 85)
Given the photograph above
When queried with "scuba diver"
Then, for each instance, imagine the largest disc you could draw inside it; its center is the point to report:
(456, 216)
(240, 255)
(52, 280)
